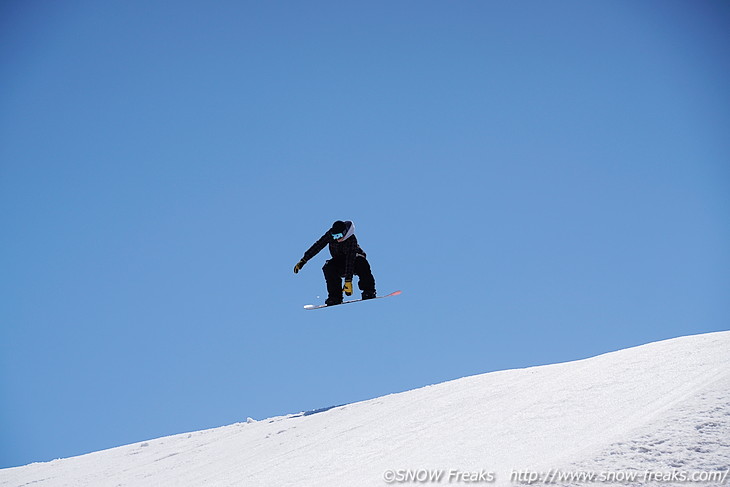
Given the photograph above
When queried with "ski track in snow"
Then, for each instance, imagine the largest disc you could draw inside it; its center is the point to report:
(693, 436)
(661, 406)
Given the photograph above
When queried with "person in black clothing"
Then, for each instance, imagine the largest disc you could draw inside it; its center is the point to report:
(348, 259)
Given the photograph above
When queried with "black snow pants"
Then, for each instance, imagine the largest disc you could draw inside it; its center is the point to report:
(334, 271)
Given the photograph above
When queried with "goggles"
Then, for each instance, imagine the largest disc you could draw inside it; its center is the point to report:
(337, 236)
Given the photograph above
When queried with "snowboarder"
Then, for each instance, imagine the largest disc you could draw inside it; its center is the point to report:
(347, 259)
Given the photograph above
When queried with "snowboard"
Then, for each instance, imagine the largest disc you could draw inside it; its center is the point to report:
(318, 306)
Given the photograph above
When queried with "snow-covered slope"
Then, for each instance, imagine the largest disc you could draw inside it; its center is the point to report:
(655, 411)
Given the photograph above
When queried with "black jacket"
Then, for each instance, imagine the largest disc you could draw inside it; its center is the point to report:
(344, 248)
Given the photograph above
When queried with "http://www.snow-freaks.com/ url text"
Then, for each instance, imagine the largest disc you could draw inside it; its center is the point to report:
(554, 476)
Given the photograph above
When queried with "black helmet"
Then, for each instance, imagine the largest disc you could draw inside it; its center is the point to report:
(338, 229)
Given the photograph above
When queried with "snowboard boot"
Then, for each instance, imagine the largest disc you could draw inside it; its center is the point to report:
(368, 294)
(333, 300)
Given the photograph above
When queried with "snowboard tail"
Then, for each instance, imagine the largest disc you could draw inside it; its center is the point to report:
(319, 306)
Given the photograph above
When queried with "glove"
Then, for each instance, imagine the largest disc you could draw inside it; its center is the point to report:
(299, 266)
(348, 288)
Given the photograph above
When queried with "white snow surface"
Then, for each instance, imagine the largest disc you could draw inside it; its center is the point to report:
(661, 408)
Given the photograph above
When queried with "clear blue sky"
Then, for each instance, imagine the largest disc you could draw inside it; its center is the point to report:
(545, 181)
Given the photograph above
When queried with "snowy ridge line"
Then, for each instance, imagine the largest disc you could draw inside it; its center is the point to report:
(694, 436)
(661, 402)
(654, 407)
(666, 389)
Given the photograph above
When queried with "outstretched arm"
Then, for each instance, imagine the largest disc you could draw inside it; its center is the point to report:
(317, 247)
(313, 250)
